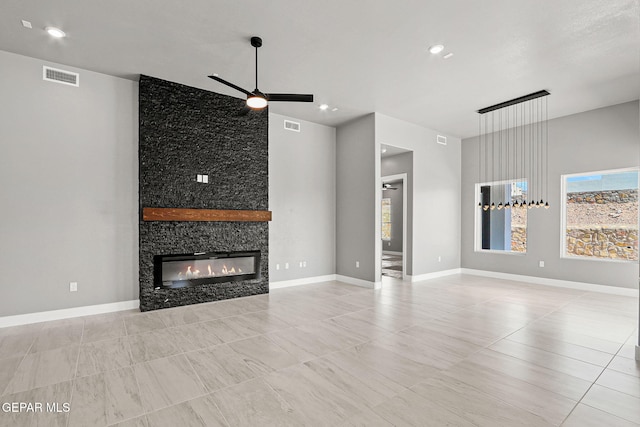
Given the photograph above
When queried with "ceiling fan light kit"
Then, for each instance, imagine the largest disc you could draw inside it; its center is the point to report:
(257, 100)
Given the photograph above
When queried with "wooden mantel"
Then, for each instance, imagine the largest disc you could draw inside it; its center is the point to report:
(175, 214)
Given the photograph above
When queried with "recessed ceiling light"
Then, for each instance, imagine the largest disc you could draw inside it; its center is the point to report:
(334, 109)
(324, 107)
(435, 49)
(448, 55)
(55, 32)
(26, 24)
(384, 150)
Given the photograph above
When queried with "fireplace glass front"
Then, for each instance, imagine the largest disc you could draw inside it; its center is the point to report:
(177, 271)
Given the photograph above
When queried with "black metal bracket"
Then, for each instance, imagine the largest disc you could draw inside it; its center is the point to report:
(515, 101)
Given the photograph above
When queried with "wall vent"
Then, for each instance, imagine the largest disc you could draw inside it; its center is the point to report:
(60, 76)
(441, 140)
(293, 126)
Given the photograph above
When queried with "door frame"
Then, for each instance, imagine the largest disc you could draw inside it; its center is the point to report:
(403, 177)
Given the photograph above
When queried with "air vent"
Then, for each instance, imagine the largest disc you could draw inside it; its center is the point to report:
(293, 126)
(441, 140)
(60, 76)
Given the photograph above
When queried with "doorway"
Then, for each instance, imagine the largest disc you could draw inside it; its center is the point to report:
(393, 210)
(393, 247)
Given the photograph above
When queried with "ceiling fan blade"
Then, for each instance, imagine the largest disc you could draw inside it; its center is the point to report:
(289, 97)
(231, 85)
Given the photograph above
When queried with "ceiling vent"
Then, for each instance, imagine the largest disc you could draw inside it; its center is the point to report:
(293, 126)
(60, 76)
(442, 140)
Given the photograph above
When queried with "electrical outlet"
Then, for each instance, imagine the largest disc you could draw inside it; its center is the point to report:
(304, 263)
(300, 264)
(439, 259)
(73, 286)
(277, 266)
(541, 264)
(357, 264)
(286, 265)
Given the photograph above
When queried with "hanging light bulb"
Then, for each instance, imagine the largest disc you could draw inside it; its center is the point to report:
(507, 206)
(500, 206)
(546, 205)
(493, 205)
(485, 208)
(530, 205)
(537, 204)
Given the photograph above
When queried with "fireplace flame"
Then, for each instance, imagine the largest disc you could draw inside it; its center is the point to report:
(192, 273)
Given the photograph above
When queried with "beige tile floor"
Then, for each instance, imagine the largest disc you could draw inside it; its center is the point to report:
(460, 351)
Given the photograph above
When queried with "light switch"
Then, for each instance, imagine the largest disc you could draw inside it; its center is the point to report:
(205, 179)
(199, 178)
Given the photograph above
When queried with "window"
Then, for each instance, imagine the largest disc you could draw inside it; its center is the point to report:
(502, 229)
(386, 219)
(600, 215)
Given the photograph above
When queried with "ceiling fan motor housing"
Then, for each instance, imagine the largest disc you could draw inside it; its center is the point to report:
(256, 41)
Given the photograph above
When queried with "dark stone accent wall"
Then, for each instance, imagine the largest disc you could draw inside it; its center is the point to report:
(184, 132)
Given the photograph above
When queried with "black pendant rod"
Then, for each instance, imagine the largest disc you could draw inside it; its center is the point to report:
(515, 101)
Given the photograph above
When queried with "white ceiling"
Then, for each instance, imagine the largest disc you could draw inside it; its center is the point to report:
(359, 56)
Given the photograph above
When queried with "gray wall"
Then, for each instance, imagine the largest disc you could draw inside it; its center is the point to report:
(395, 243)
(435, 194)
(68, 174)
(357, 228)
(302, 197)
(606, 138)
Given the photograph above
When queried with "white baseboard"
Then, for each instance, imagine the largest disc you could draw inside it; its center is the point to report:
(303, 281)
(358, 282)
(392, 253)
(434, 275)
(67, 313)
(589, 287)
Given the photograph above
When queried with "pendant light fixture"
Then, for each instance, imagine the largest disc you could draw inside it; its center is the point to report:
(514, 152)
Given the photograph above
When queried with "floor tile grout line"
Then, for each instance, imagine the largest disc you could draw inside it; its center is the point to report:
(594, 383)
(174, 403)
(3, 392)
(500, 373)
(501, 399)
(560, 354)
(75, 373)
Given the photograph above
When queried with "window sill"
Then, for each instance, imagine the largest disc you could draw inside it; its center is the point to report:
(587, 258)
(489, 251)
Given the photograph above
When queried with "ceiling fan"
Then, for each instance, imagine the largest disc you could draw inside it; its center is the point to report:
(256, 99)
(386, 186)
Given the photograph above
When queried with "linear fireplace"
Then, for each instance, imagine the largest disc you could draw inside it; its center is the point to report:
(182, 270)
